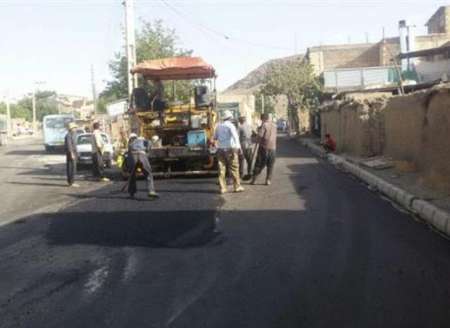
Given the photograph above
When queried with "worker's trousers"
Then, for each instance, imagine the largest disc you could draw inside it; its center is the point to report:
(71, 169)
(98, 167)
(245, 156)
(139, 159)
(228, 159)
(265, 158)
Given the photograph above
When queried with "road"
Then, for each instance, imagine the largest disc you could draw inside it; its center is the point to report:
(315, 249)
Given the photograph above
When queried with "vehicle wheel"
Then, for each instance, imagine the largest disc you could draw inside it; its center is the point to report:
(48, 149)
(108, 164)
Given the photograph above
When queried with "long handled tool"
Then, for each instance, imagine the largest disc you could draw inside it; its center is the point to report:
(133, 171)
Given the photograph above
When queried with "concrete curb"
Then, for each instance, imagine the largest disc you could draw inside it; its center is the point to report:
(435, 216)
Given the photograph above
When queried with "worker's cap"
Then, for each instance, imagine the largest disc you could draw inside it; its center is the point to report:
(72, 125)
(133, 135)
(227, 115)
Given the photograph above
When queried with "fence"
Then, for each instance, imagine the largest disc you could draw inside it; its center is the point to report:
(360, 78)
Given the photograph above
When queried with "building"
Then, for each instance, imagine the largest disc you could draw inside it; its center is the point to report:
(439, 23)
(360, 66)
(431, 64)
(80, 106)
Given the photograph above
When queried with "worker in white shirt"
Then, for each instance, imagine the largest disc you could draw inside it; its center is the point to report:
(228, 149)
(98, 167)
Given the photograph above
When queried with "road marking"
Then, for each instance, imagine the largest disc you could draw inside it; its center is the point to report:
(96, 279)
(130, 267)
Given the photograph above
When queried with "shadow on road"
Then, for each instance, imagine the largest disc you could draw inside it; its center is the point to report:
(28, 152)
(176, 229)
(39, 184)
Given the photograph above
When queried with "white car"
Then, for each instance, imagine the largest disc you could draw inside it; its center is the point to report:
(84, 149)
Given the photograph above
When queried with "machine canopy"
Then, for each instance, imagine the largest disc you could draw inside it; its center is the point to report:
(175, 68)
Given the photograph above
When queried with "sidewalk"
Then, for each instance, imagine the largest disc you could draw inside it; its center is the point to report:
(401, 186)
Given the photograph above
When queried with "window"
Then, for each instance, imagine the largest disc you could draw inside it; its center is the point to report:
(85, 139)
(57, 122)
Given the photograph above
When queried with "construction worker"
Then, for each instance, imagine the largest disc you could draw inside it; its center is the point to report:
(98, 167)
(329, 145)
(267, 139)
(70, 146)
(228, 148)
(245, 138)
(137, 157)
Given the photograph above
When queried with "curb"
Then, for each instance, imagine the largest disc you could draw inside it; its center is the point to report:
(435, 216)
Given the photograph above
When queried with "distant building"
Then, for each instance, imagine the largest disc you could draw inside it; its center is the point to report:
(80, 106)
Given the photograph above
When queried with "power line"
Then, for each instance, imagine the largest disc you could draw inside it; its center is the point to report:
(222, 35)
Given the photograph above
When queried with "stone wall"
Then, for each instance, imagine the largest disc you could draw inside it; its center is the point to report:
(414, 128)
(356, 123)
(418, 130)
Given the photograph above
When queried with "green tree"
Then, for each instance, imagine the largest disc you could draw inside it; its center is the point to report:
(294, 79)
(45, 105)
(269, 102)
(153, 41)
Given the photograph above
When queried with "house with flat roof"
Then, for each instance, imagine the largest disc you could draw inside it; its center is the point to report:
(359, 66)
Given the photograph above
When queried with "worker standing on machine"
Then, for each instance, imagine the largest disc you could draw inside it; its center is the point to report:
(137, 156)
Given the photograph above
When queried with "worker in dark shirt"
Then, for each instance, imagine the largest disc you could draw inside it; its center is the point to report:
(329, 145)
(267, 139)
(70, 145)
(245, 138)
(137, 156)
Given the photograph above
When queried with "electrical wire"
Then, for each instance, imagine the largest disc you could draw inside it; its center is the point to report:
(222, 35)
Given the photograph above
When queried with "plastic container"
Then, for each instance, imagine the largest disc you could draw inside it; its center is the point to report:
(196, 138)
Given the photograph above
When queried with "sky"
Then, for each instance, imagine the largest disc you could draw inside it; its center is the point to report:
(56, 42)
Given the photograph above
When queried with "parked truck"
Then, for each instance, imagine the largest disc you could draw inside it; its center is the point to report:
(178, 131)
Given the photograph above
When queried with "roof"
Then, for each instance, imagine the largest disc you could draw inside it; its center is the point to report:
(348, 46)
(427, 52)
(175, 68)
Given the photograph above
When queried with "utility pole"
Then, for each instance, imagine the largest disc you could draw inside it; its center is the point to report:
(130, 41)
(94, 91)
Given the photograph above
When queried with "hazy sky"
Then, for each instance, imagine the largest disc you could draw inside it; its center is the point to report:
(56, 41)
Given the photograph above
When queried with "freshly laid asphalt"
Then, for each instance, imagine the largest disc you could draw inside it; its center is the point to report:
(315, 249)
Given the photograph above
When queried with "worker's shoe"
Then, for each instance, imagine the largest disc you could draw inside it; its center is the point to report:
(74, 185)
(223, 191)
(104, 179)
(153, 195)
(239, 189)
(268, 182)
(253, 181)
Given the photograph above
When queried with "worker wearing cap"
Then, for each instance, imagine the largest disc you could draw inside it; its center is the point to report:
(70, 146)
(228, 148)
(137, 156)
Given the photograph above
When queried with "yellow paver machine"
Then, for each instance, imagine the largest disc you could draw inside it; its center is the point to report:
(178, 129)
